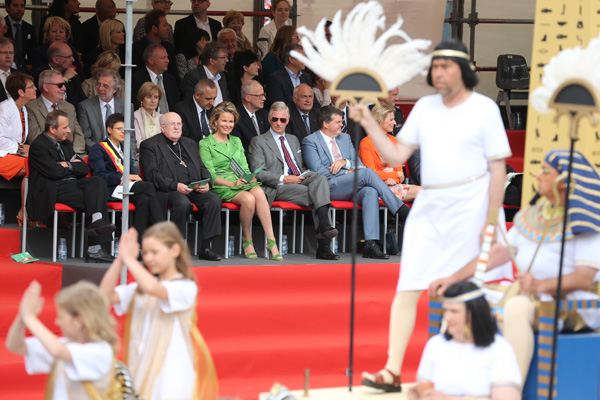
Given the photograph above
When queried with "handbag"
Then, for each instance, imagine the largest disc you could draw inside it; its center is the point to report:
(391, 242)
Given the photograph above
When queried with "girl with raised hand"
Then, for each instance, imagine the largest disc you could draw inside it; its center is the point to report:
(80, 363)
(163, 348)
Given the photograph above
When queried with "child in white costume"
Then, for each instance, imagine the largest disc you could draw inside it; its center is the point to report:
(162, 346)
(80, 364)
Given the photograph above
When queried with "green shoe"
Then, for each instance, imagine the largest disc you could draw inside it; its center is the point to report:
(245, 244)
(270, 244)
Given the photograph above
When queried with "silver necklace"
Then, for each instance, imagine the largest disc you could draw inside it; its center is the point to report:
(181, 162)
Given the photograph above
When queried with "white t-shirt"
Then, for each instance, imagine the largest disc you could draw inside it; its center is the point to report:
(461, 369)
(456, 143)
(90, 362)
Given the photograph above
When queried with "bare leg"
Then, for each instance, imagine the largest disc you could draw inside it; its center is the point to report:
(247, 203)
(264, 215)
(518, 322)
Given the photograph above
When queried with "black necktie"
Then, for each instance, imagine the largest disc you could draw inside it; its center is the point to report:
(19, 56)
(205, 130)
(306, 124)
(61, 154)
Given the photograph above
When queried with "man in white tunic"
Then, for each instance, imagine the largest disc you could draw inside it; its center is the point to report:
(463, 146)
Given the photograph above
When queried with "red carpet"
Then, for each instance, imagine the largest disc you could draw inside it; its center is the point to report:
(264, 324)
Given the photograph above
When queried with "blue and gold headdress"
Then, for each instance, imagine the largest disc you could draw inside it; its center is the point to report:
(584, 200)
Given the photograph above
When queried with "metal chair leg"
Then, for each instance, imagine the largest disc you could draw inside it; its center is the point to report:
(226, 233)
(385, 212)
(81, 234)
(54, 234)
(294, 235)
(74, 236)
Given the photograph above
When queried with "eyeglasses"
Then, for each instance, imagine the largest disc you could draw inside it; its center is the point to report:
(223, 58)
(164, 2)
(257, 95)
(275, 119)
(60, 85)
(30, 87)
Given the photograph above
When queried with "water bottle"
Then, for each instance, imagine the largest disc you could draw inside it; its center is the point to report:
(2, 214)
(231, 250)
(62, 249)
(116, 251)
(335, 245)
(284, 245)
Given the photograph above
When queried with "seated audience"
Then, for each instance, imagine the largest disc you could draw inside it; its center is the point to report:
(281, 84)
(13, 120)
(329, 143)
(15, 10)
(172, 163)
(58, 175)
(538, 259)
(107, 161)
(393, 177)
(254, 120)
(191, 52)
(93, 113)
(246, 69)
(146, 119)
(7, 59)
(197, 19)
(281, 176)
(470, 359)
(60, 58)
(235, 20)
(195, 111)
(68, 10)
(218, 152)
(303, 114)
(112, 37)
(272, 61)
(156, 61)
(56, 29)
(321, 90)
(228, 39)
(140, 27)
(106, 60)
(52, 88)
(157, 32)
(281, 14)
(105, 9)
(214, 58)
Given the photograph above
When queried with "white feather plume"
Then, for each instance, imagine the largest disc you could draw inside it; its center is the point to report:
(573, 63)
(354, 44)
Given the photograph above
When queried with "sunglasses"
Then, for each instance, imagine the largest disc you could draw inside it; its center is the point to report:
(275, 119)
(60, 85)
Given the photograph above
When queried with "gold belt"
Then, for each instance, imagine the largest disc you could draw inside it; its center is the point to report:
(448, 185)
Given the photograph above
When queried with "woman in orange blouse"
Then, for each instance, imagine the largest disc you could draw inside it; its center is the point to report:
(393, 177)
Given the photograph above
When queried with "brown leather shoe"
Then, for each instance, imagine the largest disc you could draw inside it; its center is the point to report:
(383, 380)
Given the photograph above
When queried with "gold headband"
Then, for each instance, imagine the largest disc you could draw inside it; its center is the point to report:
(451, 53)
(455, 54)
(463, 298)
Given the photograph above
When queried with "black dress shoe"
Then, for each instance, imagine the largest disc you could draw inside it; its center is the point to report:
(326, 231)
(372, 250)
(100, 257)
(209, 255)
(99, 227)
(325, 253)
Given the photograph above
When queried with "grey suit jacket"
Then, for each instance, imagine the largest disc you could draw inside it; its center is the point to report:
(264, 150)
(36, 117)
(90, 120)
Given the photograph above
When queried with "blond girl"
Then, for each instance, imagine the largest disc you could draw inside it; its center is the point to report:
(162, 345)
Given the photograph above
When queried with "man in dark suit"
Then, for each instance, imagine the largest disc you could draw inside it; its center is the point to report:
(195, 111)
(92, 113)
(21, 32)
(197, 19)
(254, 118)
(172, 162)
(60, 58)
(105, 9)
(282, 159)
(156, 61)
(57, 175)
(7, 57)
(331, 153)
(348, 124)
(281, 84)
(214, 58)
(303, 116)
(157, 32)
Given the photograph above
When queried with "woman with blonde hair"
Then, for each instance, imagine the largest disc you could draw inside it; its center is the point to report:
(235, 20)
(56, 29)
(146, 118)
(112, 37)
(393, 177)
(218, 151)
(79, 362)
(106, 60)
(162, 346)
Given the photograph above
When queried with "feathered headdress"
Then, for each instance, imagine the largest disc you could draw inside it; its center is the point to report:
(355, 50)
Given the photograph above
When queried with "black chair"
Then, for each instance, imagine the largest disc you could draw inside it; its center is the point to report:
(512, 74)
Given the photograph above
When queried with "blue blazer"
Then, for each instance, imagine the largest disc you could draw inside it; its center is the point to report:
(101, 165)
(317, 157)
